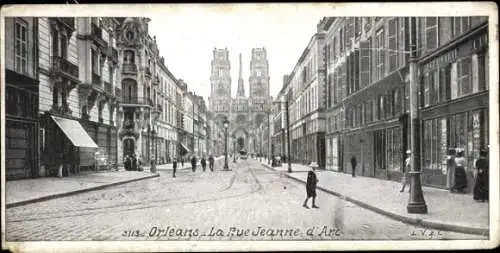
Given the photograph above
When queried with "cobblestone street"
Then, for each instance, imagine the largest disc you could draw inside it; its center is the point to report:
(206, 206)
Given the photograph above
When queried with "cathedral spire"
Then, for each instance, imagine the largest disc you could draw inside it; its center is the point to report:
(241, 89)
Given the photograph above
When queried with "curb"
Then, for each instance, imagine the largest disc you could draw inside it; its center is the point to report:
(398, 217)
(64, 194)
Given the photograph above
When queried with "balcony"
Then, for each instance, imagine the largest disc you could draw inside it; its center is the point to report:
(69, 22)
(134, 101)
(147, 73)
(118, 93)
(108, 88)
(96, 81)
(156, 80)
(96, 34)
(128, 68)
(62, 67)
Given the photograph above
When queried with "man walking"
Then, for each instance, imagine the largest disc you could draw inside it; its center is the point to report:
(174, 166)
(353, 164)
(211, 162)
(182, 161)
(193, 163)
(311, 188)
(203, 163)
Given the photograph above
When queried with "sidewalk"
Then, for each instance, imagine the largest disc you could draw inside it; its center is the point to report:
(446, 211)
(26, 191)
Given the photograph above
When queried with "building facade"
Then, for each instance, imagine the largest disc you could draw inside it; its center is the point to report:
(21, 98)
(304, 92)
(245, 114)
(77, 97)
(368, 92)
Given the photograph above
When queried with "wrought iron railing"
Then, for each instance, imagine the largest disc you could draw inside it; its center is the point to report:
(96, 80)
(59, 64)
(129, 68)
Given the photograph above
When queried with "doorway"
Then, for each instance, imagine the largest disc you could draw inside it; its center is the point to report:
(128, 147)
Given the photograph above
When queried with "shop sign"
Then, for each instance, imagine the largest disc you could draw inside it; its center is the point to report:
(442, 60)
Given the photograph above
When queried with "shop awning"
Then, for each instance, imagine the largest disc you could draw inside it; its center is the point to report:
(75, 132)
(184, 148)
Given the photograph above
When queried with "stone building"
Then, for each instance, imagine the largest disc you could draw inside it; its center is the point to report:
(77, 92)
(21, 98)
(245, 114)
(368, 92)
(304, 91)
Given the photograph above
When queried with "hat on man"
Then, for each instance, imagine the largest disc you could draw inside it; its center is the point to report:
(408, 152)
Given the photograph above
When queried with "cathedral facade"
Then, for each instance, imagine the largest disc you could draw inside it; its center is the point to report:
(245, 114)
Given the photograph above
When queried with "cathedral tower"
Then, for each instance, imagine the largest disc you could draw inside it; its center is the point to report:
(241, 89)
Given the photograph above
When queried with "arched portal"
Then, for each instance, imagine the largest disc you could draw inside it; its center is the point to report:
(129, 90)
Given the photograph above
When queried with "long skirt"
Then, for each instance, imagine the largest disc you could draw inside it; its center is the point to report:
(460, 179)
(481, 186)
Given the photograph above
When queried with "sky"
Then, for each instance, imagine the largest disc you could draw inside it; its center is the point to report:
(188, 36)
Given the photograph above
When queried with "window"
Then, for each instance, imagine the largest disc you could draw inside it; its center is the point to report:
(95, 61)
(483, 68)
(129, 57)
(396, 104)
(64, 46)
(381, 107)
(341, 41)
(444, 83)
(380, 54)
(21, 46)
(444, 29)
(368, 111)
(464, 76)
(364, 62)
(431, 33)
(393, 46)
(402, 42)
(375, 110)
(357, 27)
(460, 25)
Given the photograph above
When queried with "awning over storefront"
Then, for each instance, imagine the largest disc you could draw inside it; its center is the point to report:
(75, 132)
(184, 149)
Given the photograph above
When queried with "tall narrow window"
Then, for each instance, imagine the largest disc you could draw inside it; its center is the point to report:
(64, 47)
(402, 42)
(21, 46)
(464, 76)
(431, 33)
(393, 46)
(380, 54)
(381, 107)
(426, 88)
(364, 62)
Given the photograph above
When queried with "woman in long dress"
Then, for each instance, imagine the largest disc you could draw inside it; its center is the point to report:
(481, 178)
(460, 176)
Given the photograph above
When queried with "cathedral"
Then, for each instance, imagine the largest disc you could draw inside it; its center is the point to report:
(244, 114)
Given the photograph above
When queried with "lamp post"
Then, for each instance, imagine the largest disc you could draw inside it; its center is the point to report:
(234, 149)
(226, 125)
(284, 104)
(416, 202)
(155, 113)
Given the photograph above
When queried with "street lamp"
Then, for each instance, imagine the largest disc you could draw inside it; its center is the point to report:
(234, 148)
(284, 104)
(155, 113)
(416, 202)
(226, 125)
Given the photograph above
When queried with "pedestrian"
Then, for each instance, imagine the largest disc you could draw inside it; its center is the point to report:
(182, 161)
(211, 162)
(460, 176)
(405, 178)
(126, 162)
(353, 164)
(174, 166)
(311, 183)
(203, 163)
(481, 178)
(193, 163)
(134, 163)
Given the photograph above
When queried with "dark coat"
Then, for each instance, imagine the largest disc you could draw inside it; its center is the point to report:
(353, 161)
(174, 164)
(211, 160)
(311, 183)
(203, 162)
(481, 184)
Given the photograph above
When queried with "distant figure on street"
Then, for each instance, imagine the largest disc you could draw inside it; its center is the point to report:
(211, 162)
(353, 164)
(407, 168)
(182, 161)
(311, 183)
(193, 163)
(174, 166)
(127, 162)
(460, 176)
(203, 163)
(481, 183)
(134, 163)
